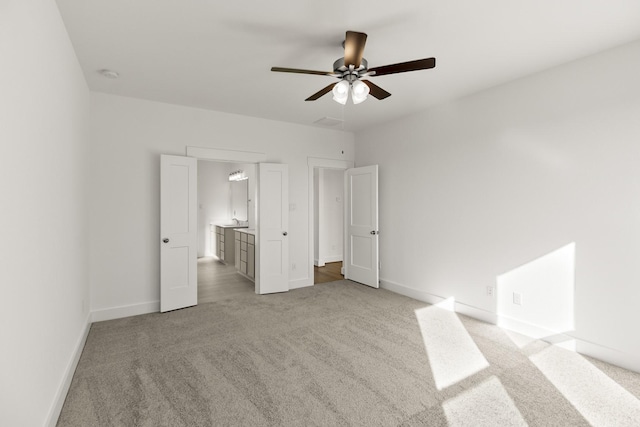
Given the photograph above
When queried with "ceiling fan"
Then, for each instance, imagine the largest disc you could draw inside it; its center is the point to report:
(352, 68)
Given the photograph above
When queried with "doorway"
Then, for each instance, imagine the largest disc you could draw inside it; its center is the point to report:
(179, 223)
(226, 195)
(340, 166)
(328, 224)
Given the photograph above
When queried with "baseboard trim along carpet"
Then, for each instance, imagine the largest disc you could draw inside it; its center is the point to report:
(61, 394)
(609, 355)
(125, 311)
(467, 310)
(598, 351)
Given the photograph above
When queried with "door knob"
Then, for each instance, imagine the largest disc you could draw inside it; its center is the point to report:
(165, 240)
(284, 233)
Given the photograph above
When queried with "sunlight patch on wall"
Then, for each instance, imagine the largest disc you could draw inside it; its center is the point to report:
(537, 299)
(600, 400)
(452, 353)
(487, 404)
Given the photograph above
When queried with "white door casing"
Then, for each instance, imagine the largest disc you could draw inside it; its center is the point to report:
(178, 232)
(272, 258)
(361, 220)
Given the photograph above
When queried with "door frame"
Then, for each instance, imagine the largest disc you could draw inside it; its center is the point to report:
(317, 162)
(229, 156)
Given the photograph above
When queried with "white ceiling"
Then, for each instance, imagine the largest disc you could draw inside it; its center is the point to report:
(217, 54)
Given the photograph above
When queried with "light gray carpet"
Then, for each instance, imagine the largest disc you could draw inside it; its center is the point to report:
(334, 354)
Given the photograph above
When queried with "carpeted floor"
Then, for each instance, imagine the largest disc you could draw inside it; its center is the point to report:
(336, 354)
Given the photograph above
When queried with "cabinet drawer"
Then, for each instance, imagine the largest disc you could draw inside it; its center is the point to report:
(243, 256)
(219, 230)
(250, 263)
(243, 266)
(243, 237)
(252, 239)
(243, 246)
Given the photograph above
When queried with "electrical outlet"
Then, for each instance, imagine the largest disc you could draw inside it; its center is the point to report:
(517, 298)
(490, 291)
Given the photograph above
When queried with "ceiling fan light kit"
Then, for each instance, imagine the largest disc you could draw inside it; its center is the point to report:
(341, 92)
(352, 68)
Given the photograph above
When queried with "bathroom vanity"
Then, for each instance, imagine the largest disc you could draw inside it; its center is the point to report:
(245, 252)
(224, 240)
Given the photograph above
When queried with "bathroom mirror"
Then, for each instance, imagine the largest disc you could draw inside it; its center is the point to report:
(240, 199)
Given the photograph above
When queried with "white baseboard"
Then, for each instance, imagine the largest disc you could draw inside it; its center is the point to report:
(125, 311)
(609, 355)
(63, 389)
(597, 351)
(300, 283)
(467, 310)
(320, 262)
(528, 329)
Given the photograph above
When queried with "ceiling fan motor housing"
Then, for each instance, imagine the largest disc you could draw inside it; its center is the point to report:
(349, 73)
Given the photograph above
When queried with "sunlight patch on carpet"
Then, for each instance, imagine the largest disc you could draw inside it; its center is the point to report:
(487, 404)
(600, 400)
(452, 353)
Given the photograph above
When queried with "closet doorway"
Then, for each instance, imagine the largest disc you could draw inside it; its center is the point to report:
(326, 209)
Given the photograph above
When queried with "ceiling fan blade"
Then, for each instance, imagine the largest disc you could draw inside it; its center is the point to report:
(376, 91)
(299, 71)
(354, 48)
(321, 92)
(403, 67)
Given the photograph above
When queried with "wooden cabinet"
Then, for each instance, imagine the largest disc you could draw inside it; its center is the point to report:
(224, 238)
(247, 250)
(251, 256)
(236, 248)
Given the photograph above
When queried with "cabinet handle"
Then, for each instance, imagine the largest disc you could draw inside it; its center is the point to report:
(165, 240)
(284, 233)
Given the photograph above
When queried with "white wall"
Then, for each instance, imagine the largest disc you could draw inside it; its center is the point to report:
(330, 215)
(316, 216)
(501, 178)
(127, 137)
(213, 202)
(44, 107)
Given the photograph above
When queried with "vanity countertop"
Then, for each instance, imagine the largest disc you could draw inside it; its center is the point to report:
(229, 225)
(248, 231)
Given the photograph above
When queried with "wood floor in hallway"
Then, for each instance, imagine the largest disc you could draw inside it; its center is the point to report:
(218, 281)
(329, 273)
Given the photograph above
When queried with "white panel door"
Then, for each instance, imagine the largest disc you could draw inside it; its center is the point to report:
(272, 258)
(178, 238)
(361, 255)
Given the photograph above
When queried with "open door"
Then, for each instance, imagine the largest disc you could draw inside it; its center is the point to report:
(272, 261)
(178, 232)
(361, 246)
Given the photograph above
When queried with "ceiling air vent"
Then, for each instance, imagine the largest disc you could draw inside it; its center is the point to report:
(328, 121)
